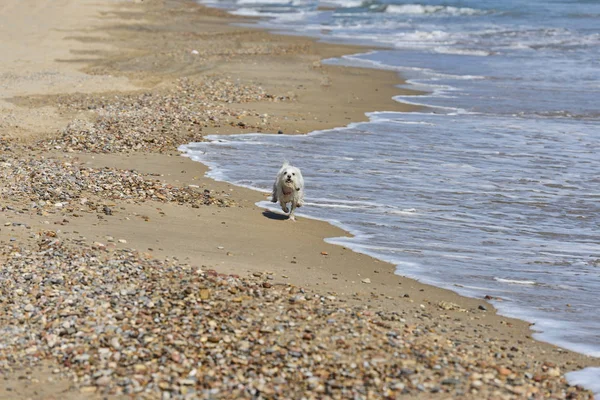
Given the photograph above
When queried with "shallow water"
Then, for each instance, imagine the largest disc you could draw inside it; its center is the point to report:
(495, 189)
(452, 201)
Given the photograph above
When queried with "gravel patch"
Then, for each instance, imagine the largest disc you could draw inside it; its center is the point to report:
(50, 183)
(120, 322)
(157, 121)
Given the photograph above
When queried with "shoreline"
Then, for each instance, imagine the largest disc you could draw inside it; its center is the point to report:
(226, 246)
(348, 231)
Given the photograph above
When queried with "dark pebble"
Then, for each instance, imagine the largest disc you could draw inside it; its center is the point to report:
(450, 381)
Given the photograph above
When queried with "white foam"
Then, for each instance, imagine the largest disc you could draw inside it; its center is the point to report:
(419, 9)
(259, 2)
(247, 12)
(462, 52)
(280, 17)
(342, 3)
(408, 211)
(424, 36)
(345, 206)
(388, 116)
(515, 281)
(402, 99)
(589, 378)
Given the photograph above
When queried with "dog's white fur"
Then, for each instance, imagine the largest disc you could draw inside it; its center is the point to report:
(288, 188)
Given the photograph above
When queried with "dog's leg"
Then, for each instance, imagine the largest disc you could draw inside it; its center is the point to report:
(293, 207)
(284, 207)
(300, 198)
(274, 194)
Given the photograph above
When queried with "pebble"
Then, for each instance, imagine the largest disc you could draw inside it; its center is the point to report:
(180, 330)
(157, 122)
(77, 185)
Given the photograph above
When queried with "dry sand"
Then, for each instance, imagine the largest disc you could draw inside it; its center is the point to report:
(113, 86)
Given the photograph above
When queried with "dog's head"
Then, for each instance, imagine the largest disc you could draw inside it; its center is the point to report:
(291, 177)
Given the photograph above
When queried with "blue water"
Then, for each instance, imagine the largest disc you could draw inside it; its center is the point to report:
(493, 189)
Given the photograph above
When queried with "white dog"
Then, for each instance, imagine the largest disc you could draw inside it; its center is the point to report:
(288, 188)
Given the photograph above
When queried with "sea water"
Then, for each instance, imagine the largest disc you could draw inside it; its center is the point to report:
(494, 187)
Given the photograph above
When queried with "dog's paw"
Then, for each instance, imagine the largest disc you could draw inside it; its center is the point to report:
(292, 218)
(285, 209)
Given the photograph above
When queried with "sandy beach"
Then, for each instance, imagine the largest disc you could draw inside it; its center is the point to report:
(128, 273)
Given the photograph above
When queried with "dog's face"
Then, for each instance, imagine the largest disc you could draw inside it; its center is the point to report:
(291, 177)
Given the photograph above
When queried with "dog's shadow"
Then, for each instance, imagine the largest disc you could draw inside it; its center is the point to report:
(274, 215)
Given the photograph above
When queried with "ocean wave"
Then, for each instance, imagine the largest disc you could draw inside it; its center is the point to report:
(516, 281)
(419, 9)
(425, 36)
(408, 211)
(341, 3)
(292, 15)
(259, 2)
(462, 52)
(588, 378)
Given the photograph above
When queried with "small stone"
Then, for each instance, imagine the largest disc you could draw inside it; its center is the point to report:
(51, 340)
(103, 381)
(450, 381)
(140, 368)
(366, 280)
(114, 343)
(82, 358)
